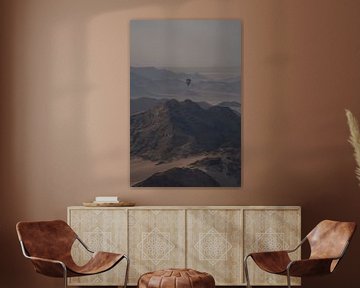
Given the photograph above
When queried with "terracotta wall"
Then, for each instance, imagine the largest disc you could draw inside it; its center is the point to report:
(65, 112)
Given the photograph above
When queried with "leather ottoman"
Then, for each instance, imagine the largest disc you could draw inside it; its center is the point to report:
(176, 278)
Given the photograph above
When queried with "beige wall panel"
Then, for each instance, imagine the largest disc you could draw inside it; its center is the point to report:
(156, 241)
(101, 230)
(214, 244)
(270, 230)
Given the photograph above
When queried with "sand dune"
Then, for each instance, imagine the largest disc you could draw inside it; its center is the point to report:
(142, 169)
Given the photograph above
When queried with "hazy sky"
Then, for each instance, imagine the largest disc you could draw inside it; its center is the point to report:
(185, 43)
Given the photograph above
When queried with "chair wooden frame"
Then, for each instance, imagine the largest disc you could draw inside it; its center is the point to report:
(317, 264)
(58, 268)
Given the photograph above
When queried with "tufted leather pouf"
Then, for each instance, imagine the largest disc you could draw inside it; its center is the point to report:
(176, 278)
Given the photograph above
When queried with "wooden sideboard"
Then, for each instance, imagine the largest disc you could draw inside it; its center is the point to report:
(213, 239)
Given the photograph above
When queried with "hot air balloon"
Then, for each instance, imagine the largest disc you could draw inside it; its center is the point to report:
(188, 81)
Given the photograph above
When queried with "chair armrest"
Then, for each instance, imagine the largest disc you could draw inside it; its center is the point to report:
(298, 246)
(309, 267)
(269, 252)
(280, 251)
(271, 261)
(83, 244)
(45, 260)
(48, 267)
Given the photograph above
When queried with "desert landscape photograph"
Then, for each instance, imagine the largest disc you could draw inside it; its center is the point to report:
(185, 103)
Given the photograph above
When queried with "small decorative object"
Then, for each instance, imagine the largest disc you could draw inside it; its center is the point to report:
(354, 140)
(108, 201)
(120, 204)
(185, 107)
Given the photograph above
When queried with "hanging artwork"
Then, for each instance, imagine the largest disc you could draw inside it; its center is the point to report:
(185, 122)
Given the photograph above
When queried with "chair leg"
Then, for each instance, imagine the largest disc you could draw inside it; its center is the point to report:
(65, 276)
(127, 271)
(246, 270)
(288, 278)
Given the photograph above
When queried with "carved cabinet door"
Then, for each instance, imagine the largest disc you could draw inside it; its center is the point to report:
(214, 244)
(156, 240)
(271, 230)
(101, 230)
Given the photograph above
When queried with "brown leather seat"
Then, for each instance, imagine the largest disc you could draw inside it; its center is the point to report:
(48, 245)
(328, 242)
(176, 278)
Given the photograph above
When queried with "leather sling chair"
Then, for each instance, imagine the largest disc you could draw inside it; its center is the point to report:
(48, 245)
(328, 242)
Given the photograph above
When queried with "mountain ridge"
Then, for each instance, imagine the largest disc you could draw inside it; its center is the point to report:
(179, 129)
(179, 177)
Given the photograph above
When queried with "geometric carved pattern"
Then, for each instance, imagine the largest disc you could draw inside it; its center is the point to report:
(213, 246)
(269, 241)
(98, 240)
(155, 246)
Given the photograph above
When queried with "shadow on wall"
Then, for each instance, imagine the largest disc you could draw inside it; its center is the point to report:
(50, 151)
(59, 95)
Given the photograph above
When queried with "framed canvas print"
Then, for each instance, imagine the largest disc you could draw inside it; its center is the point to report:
(185, 122)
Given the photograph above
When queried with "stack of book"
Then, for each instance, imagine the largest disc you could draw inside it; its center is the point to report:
(106, 199)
